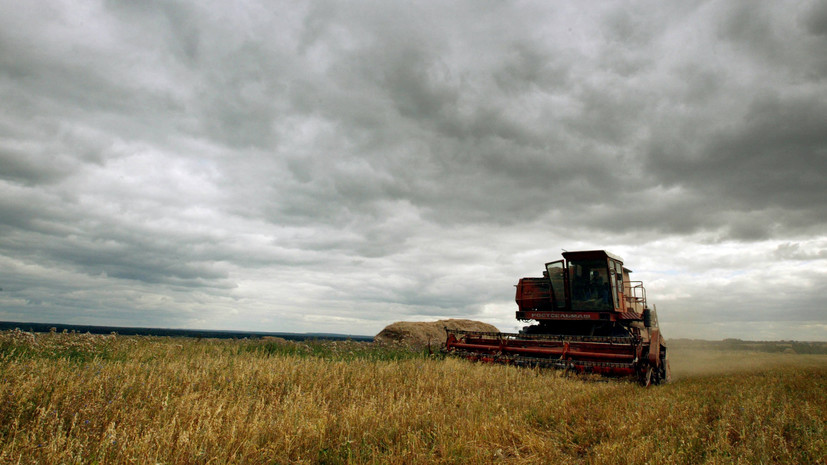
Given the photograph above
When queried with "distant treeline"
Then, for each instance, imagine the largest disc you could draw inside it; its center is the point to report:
(797, 347)
(196, 333)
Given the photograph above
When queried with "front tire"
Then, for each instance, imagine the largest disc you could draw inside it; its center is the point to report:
(647, 376)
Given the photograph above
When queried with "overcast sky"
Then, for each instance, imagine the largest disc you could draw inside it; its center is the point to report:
(338, 166)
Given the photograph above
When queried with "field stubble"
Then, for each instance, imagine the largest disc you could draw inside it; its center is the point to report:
(71, 398)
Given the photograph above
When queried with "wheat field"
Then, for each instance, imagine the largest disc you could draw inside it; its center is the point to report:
(80, 398)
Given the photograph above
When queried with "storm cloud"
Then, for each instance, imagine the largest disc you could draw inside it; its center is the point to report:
(320, 166)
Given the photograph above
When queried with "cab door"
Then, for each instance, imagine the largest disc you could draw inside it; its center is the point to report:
(616, 280)
(557, 276)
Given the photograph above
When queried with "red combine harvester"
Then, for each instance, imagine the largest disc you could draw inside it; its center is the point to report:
(589, 317)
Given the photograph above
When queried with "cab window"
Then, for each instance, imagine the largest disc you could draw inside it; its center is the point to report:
(590, 288)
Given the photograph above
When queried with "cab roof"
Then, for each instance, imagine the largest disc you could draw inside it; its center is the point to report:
(591, 255)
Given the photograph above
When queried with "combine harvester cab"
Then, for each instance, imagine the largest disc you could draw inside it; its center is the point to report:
(587, 315)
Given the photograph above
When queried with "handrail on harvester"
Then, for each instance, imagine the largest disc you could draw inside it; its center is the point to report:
(636, 294)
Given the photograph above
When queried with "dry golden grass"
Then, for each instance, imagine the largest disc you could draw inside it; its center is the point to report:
(68, 398)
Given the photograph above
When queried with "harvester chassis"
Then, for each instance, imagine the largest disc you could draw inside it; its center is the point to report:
(589, 316)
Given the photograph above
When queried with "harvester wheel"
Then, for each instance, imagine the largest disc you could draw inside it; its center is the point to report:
(666, 370)
(646, 376)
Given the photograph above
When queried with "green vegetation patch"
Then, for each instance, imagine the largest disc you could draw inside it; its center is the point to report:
(80, 348)
(333, 350)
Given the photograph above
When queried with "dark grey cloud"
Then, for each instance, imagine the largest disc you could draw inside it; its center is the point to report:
(322, 165)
